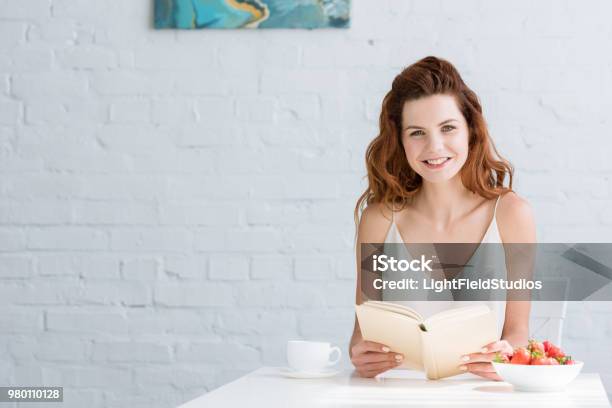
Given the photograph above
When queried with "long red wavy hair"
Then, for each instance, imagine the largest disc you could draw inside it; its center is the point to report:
(391, 180)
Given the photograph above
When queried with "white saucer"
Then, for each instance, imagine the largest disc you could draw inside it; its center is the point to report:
(326, 372)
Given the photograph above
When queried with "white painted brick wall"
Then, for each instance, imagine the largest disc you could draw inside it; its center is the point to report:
(175, 205)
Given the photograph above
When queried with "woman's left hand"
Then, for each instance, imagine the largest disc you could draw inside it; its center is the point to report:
(480, 363)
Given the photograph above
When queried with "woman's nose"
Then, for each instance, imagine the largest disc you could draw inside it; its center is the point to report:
(436, 141)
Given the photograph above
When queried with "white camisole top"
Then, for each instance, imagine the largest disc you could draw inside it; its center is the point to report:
(430, 307)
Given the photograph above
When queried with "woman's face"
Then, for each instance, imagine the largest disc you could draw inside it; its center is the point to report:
(435, 137)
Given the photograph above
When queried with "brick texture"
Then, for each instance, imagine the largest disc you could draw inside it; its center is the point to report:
(174, 206)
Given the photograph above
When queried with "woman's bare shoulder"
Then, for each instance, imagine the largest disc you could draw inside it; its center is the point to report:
(515, 219)
(374, 223)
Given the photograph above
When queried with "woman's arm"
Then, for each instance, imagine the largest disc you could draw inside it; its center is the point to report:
(356, 337)
(370, 358)
(373, 226)
(516, 225)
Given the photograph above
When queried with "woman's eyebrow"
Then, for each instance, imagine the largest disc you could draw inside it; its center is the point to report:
(440, 124)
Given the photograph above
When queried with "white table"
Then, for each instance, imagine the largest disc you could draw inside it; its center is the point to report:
(267, 387)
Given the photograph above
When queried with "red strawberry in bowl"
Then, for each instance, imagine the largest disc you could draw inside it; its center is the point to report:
(555, 352)
(539, 366)
(501, 358)
(520, 356)
(544, 361)
(565, 360)
(536, 348)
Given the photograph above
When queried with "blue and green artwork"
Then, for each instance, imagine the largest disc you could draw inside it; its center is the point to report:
(190, 14)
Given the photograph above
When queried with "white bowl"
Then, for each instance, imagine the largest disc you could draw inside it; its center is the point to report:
(538, 377)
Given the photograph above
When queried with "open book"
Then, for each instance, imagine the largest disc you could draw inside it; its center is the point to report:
(434, 345)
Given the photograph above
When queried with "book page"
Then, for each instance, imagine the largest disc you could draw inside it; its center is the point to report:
(453, 335)
(395, 308)
(399, 332)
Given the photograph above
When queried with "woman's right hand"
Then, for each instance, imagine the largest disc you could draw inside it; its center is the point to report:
(371, 358)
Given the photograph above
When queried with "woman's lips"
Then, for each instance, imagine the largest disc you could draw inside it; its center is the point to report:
(438, 164)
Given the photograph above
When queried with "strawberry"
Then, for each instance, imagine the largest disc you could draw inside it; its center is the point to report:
(536, 348)
(555, 352)
(539, 361)
(501, 358)
(565, 360)
(552, 361)
(547, 345)
(544, 361)
(520, 356)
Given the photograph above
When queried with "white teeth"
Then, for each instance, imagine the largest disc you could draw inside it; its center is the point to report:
(437, 161)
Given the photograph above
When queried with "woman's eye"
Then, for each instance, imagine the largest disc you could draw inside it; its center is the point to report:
(448, 128)
(417, 133)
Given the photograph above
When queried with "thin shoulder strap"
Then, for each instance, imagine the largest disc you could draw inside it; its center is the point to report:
(495, 209)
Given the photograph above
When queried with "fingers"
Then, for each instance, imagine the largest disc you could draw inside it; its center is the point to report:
(366, 345)
(501, 346)
(488, 352)
(479, 357)
(480, 363)
(372, 357)
(373, 369)
(479, 367)
(383, 366)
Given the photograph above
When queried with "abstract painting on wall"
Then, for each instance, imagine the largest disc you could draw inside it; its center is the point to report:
(195, 14)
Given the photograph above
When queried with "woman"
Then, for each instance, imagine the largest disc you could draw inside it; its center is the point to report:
(434, 176)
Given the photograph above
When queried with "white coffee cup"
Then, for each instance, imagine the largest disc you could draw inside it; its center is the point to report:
(311, 356)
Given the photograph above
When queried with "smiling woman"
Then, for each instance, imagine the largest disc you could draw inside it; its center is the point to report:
(434, 176)
(436, 90)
